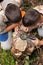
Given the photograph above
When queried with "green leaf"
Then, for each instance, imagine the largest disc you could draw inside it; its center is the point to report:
(26, 63)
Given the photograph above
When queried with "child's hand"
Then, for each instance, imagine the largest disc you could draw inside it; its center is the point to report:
(25, 29)
(16, 28)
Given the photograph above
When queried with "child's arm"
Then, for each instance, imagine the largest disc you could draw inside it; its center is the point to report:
(9, 28)
(41, 42)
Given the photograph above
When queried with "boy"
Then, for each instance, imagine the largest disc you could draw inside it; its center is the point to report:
(16, 16)
(31, 20)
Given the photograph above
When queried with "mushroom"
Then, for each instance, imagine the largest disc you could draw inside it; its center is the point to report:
(16, 53)
(21, 45)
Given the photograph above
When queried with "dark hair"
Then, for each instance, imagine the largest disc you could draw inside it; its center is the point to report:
(1, 0)
(13, 13)
(30, 17)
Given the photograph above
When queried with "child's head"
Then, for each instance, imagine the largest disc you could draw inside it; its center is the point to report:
(13, 13)
(31, 17)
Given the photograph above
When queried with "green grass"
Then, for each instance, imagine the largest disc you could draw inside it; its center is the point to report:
(6, 58)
